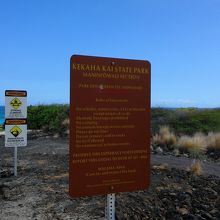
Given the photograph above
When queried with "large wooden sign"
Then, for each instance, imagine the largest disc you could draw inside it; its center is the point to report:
(109, 125)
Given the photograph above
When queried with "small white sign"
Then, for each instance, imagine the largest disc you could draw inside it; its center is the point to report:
(15, 104)
(15, 133)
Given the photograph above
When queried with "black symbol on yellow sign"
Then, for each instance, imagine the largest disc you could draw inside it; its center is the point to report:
(15, 131)
(15, 103)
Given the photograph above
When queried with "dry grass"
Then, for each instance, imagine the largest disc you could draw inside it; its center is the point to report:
(164, 137)
(161, 167)
(66, 123)
(213, 141)
(195, 144)
(41, 162)
(196, 168)
(199, 143)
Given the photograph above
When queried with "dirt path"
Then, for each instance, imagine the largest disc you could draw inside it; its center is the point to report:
(184, 163)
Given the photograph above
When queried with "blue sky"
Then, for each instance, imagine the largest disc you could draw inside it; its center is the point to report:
(181, 39)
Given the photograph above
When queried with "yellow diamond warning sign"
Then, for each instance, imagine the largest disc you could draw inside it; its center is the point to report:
(15, 131)
(15, 103)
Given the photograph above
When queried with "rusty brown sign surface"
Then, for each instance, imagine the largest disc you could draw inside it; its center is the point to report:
(109, 125)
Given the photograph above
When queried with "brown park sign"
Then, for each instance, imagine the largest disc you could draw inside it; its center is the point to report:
(109, 125)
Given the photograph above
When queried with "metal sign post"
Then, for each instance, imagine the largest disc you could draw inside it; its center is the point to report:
(110, 207)
(15, 160)
(15, 136)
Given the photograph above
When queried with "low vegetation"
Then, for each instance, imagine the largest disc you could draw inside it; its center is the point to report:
(196, 168)
(49, 118)
(195, 145)
(186, 121)
(191, 131)
(165, 138)
(214, 141)
(213, 146)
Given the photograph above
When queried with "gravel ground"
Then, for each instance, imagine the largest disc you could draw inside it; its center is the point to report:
(41, 189)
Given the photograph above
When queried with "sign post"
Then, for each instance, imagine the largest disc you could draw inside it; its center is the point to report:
(110, 207)
(15, 161)
(109, 127)
(15, 121)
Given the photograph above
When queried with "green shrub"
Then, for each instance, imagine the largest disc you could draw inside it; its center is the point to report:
(160, 117)
(186, 120)
(49, 118)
